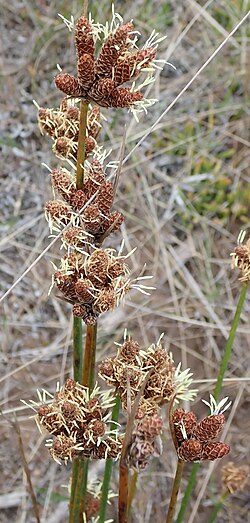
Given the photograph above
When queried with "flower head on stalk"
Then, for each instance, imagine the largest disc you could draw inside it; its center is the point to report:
(77, 420)
(241, 257)
(195, 439)
(128, 369)
(99, 79)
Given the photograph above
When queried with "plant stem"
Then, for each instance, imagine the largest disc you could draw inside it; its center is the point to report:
(88, 371)
(81, 149)
(217, 507)
(108, 469)
(77, 348)
(79, 491)
(175, 491)
(132, 489)
(229, 345)
(223, 367)
(123, 492)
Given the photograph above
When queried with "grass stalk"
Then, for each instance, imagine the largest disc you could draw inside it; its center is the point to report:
(81, 145)
(217, 507)
(132, 489)
(77, 348)
(175, 491)
(218, 386)
(108, 469)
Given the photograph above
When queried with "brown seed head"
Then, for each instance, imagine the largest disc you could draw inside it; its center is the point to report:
(68, 84)
(74, 236)
(234, 478)
(104, 198)
(58, 211)
(129, 350)
(84, 39)
(186, 419)
(78, 200)
(150, 427)
(84, 290)
(106, 301)
(209, 428)
(85, 69)
(214, 450)
(190, 450)
(63, 183)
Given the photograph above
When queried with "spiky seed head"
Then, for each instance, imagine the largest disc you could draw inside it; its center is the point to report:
(68, 84)
(190, 450)
(214, 450)
(234, 478)
(209, 428)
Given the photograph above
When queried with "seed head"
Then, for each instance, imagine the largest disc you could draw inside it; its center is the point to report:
(234, 478)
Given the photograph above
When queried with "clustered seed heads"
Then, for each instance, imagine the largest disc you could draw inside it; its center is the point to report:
(195, 439)
(93, 283)
(234, 478)
(96, 220)
(78, 422)
(99, 80)
(128, 370)
(146, 442)
(241, 259)
(62, 125)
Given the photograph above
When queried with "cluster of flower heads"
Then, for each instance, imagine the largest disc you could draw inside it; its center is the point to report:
(194, 440)
(78, 422)
(95, 221)
(241, 257)
(99, 79)
(62, 125)
(93, 283)
(127, 371)
(234, 478)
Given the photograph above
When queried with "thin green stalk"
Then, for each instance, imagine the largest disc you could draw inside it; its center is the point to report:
(108, 469)
(175, 491)
(132, 489)
(223, 367)
(80, 488)
(77, 348)
(218, 507)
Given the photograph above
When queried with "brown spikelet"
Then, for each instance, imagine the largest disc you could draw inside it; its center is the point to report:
(104, 198)
(106, 368)
(63, 183)
(150, 427)
(186, 419)
(116, 269)
(116, 219)
(79, 311)
(105, 301)
(92, 219)
(85, 69)
(94, 121)
(209, 428)
(63, 147)
(68, 84)
(74, 236)
(48, 122)
(97, 267)
(214, 450)
(123, 97)
(130, 66)
(101, 90)
(84, 291)
(84, 40)
(111, 49)
(73, 113)
(58, 211)
(66, 284)
(129, 350)
(190, 450)
(90, 145)
(78, 200)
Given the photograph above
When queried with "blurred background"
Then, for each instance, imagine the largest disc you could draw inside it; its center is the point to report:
(185, 194)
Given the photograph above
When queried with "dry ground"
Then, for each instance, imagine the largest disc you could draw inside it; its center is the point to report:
(185, 193)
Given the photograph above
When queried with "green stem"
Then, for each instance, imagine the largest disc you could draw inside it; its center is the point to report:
(79, 493)
(132, 489)
(175, 491)
(223, 367)
(217, 507)
(77, 348)
(229, 345)
(108, 469)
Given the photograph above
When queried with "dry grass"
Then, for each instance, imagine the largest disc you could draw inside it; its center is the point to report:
(184, 241)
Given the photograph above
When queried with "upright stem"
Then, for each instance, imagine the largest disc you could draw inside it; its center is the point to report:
(223, 367)
(123, 492)
(89, 356)
(108, 469)
(175, 491)
(81, 150)
(77, 348)
(217, 507)
(132, 489)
